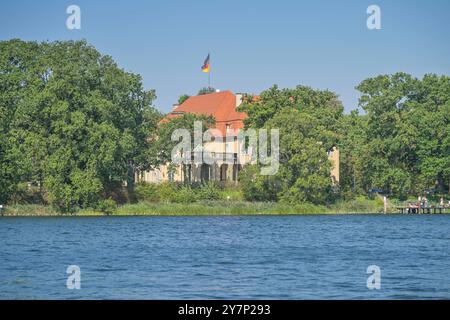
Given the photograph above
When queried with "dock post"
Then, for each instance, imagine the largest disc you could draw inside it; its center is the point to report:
(420, 205)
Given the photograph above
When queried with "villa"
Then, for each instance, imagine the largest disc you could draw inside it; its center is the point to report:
(222, 105)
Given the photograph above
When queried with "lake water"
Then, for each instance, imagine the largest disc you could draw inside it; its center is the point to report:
(227, 257)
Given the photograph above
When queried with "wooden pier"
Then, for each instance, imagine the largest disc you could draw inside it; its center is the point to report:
(422, 210)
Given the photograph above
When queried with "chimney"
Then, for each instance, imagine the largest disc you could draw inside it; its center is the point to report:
(238, 99)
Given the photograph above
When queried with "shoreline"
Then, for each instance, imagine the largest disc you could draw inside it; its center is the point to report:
(98, 215)
(206, 208)
(210, 208)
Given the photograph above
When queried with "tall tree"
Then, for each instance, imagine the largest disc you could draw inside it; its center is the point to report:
(354, 158)
(407, 132)
(78, 123)
(308, 121)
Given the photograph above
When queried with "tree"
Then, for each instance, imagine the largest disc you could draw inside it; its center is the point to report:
(78, 124)
(163, 145)
(407, 132)
(304, 166)
(324, 105)
(308, 121)
(7, 169)
(353, 154)
(183, 98)
(17, 62)
(256, 187)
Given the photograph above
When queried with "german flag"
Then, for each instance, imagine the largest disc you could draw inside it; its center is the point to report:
(205, 67)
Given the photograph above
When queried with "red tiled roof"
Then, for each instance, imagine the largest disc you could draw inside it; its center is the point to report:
(221, 105)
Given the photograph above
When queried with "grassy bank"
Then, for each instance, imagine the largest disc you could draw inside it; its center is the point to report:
(213, 207)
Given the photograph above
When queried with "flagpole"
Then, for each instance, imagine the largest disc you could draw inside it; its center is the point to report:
(209, 73)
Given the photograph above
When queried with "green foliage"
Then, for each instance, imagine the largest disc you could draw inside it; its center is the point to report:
(72, 122)
(26, 194)
(184, 194)
(217, 207)
(407, 133)
(305, 168)
(183, 98)
(360, 204)
(162, 146)
(323, 105)
(166, 191)
(231, 193)
(354, 153)
(307, 120)
(177, 192)
(208, 191)
(256, 187)
(147, 192)
(107, 206)
(74, 127)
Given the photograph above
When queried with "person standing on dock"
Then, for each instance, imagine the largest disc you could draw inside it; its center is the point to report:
(425, 202)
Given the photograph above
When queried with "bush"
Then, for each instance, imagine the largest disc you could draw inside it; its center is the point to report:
(256, 187)
(208, 191)
(170, 192)
(315, 189)
(234, 194)
(147, 192)
(185, 194)
(26, 194)
(107, 206)
(119, 193)
(167, 191)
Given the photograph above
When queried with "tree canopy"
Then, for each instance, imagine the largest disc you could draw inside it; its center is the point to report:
(183, 98)
(72, 121)
(403, 143)
(307, 120)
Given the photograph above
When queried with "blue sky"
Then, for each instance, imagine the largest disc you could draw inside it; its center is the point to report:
(253, 43)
